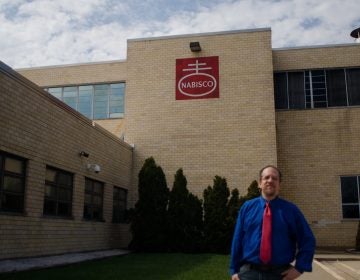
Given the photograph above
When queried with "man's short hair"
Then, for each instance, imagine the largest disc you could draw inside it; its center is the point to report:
(272, 166)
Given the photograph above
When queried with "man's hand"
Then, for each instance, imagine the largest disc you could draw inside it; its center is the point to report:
(290, 274)
(235, 277)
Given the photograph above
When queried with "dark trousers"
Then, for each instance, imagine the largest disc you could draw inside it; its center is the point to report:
(256, 272)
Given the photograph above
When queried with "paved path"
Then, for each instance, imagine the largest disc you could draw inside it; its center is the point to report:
(43, 262)
(335, 266)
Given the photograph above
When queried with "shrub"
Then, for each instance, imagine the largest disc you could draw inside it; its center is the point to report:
(149, 220)
(215, 216)
(185, 217)
(252, 192)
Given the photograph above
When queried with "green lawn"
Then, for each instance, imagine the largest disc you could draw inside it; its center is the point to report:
(136, 267)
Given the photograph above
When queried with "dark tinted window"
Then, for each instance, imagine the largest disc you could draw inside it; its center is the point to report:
(93, 205)
(349, 189)
(296, 90)
(119, 205)
(350, 197)
(336, 87)
(12, 183)
(353, 85)
(280, 90)
(58, 192)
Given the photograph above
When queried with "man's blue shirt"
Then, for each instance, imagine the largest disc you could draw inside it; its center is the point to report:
(292, 237)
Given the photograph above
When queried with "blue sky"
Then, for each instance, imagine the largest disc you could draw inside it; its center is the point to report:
(53, 32)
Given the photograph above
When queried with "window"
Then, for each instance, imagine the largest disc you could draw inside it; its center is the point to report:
(12, 183)
(93, 206)
(85, 101)
(353, 85)
(317, 88)
(103, 101)
(281, 96)
(119, 205)
(296, 90)
(58, 192)
(350, 197)
(70, 96)
(336, 87)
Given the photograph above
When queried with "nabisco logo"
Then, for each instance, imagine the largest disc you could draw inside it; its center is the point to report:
(197, 78)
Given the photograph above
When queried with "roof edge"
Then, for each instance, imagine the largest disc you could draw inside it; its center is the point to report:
(317, 46)
(70, 65)
(7, 70)
(200, 34)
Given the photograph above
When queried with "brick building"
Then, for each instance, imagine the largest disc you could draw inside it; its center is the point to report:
(52, 200)
(227, 108)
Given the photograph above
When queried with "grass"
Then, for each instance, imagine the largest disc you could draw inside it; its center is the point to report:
(136, 267)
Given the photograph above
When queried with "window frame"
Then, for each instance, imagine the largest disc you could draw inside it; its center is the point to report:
(58, 186)
(111, 88)
(346, 81)
(349, 204)
(4, 173)
(115, 218)
(91, 205)
(313, 86)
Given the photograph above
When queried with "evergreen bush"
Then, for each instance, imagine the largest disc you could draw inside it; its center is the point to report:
(149, 221)
(233, 207)
(216, 233)
(185, 217)
(252, 192)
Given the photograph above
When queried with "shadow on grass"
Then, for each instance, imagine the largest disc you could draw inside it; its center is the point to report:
(136, 267)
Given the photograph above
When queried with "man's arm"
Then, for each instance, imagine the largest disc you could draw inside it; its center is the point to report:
(291, 274)
(305, 242)
(236, 248)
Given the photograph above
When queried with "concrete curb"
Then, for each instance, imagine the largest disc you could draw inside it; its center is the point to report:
(58, 260)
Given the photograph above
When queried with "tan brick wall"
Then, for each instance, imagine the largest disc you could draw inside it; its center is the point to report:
(89, 73)
(317, 57)
(232, 136)
(316, 147)
(78, 74)
(115, 126)
(35, 126)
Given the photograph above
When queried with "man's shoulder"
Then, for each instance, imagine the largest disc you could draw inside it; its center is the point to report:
(252, 201)
(288, 204)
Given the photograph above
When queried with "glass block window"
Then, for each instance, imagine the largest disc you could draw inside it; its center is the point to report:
(102, 101)
(12, 183)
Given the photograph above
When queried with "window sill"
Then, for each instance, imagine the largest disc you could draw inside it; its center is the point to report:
(120, 223)
(5, 213)
(350, 220)
(94, 220)
(58, 217)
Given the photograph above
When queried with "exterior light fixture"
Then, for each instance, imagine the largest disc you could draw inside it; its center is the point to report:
(83, 154)
(195, 46)
(356, 34)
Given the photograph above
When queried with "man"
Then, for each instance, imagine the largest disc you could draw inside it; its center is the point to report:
(271, 233)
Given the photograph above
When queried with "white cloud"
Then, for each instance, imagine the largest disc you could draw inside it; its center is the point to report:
(47, 32)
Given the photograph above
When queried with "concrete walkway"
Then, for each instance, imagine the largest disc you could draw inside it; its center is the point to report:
(58, 260)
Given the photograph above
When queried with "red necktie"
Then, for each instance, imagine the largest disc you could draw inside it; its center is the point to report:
(265, 246)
